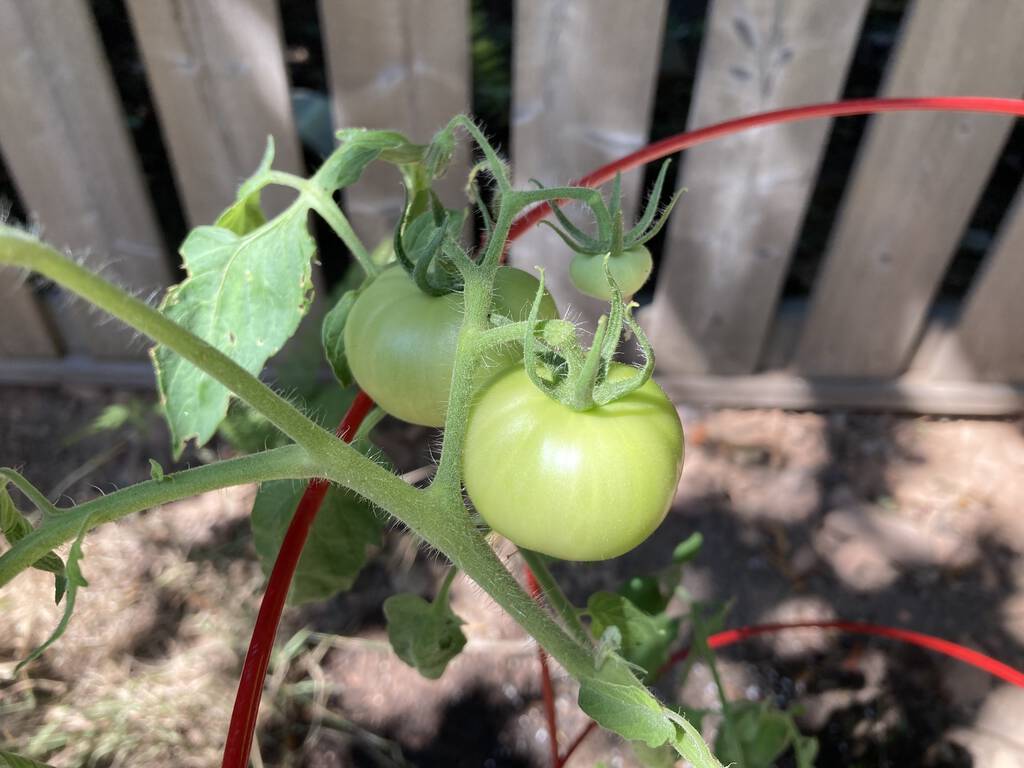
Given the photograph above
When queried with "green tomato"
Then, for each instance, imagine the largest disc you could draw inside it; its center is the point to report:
(400, 342)
(630, 270)
(577, 485)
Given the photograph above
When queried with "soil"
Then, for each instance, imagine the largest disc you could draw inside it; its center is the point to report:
(913, 522)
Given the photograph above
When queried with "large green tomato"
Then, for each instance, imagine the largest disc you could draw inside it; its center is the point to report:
(400, 342)
(577, 485)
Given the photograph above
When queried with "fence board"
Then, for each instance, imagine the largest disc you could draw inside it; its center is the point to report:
(914, 188)
(986, 343)
(731, 238)
(584, 76)
(64, 140)
(23, 328)
(403, 65)
(218, 79)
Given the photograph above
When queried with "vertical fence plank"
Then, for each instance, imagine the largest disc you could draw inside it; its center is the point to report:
(403, 65)
(65, 142)
(218, 78)
(916, 183)
(986, 343)
(23, 329)
(583, 90)
(732, 235)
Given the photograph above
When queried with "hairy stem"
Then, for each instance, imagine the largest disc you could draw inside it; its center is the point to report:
(555, 596)
(62, 525)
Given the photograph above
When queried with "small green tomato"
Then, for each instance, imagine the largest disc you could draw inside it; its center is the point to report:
(630, 270)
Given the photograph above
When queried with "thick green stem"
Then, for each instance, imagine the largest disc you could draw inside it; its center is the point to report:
(476, 300)
(62, 525)
(20, 249)
(555, 596)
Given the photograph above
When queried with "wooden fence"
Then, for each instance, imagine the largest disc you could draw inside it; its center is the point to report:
(584, 72)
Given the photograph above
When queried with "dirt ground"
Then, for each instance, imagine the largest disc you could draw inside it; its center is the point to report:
(907, 521)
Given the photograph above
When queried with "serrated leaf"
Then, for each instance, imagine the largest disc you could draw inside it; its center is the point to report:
(627, 710)
(645, 638)
(336, 548)
(333, 337)
(425, 635)
(245, 295)
(75, 579)
(11, 760)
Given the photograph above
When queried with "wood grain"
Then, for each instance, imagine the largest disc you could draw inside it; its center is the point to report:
(732, 235)
(65, 142)
(584, 75)
(986, 343)
(916, 182)
(401, 65)
(219, 82)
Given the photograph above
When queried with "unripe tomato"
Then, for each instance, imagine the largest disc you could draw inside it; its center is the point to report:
(630, 270)
(577, 485)
(400, 342)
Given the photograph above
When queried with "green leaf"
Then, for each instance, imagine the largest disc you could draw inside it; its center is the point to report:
(245, 214)
(156, 471)
(628, 710)
(657, 757)
(15, 526)
(687, 550)
(10, 760)
(424, 635)
(336, 549)
(359, 148)
(645, 638)
(763, 734)
(688, 742)
(805, 750)
(75, 579)
(245, 295)
(645, 593)
(333, 337)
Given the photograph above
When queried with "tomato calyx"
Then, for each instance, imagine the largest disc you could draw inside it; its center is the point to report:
(559, 366)
(631, 262)
(426, 244)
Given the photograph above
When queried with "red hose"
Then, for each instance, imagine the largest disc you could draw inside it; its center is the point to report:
(250, 688)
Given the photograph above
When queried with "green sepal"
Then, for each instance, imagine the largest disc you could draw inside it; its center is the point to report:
(424, 635)
(15, 526)
(333, 337)
(74, 580)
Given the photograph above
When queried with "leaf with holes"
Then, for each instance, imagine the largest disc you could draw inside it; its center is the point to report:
(245, 295)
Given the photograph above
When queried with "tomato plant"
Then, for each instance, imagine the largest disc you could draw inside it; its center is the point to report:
(400, 342)
(568, 423)
(577, 485)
